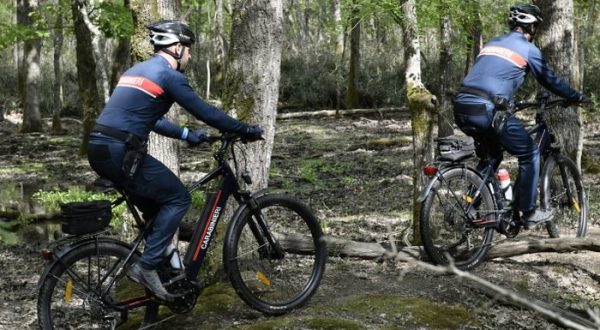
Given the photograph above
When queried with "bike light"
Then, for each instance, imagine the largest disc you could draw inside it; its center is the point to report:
(46, 255)
(429, 170)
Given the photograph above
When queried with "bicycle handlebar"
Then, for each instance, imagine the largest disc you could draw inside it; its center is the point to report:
(522, 105)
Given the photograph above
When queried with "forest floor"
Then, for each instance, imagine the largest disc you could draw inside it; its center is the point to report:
(355, 173)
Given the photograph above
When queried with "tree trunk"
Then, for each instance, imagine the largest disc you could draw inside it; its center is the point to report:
(252, 83)
(121, 58)
(58, 85)
(31, 71)
(339, 28)
(352, 91)
(446, 117)
(339, 51)
(475, 28)
(557, 40)
(86, 72)
(585, 33)
(219, 42)
(421, 104)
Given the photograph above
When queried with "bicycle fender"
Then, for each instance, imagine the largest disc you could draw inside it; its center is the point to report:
(60, 253)
(440, 173)
(427, 189)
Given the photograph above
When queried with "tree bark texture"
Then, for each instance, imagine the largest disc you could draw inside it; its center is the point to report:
(475, 28)
(57, 103)
(421, 104)
(557, 42)
(161, 147)
(252, 83)
(446, 116)
(86, 72)
(219, 42)
(353, 72)
(339, 28)
(31, 71)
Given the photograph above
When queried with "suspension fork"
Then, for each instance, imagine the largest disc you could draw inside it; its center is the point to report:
(565, 181)
(260, 229)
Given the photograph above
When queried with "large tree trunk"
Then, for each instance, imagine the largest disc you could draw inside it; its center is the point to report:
(220, 47)
(253, 72)
(421, 104)
(58, 86)
(121, 59)
(86, 72)
(557, 41)
(252, 78)
(446, 117)
(31, 71)
(352, 91)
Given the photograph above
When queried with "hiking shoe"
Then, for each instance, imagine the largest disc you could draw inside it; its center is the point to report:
(150, 280)
(533, 218)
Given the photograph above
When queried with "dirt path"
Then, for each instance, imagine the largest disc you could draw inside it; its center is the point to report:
(354, 172)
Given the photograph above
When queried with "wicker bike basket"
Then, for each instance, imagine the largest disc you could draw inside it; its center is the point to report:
(80, 218)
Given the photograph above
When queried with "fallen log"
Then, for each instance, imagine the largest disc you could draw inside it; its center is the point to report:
(332, 113)
(372, 250)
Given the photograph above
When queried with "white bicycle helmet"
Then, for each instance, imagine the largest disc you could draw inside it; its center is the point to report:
(168, 32)
(524, 14)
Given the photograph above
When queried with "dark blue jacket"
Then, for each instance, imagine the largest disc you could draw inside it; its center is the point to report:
(146, 92)
(503, 63)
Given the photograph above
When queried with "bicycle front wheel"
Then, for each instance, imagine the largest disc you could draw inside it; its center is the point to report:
(447, 219)
(562, 191)
(275, 254)
(70, 295)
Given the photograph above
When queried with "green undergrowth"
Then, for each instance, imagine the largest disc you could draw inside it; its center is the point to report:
(52, 199)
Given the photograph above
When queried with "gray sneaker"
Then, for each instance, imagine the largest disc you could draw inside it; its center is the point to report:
(150, 280)
(531, 219)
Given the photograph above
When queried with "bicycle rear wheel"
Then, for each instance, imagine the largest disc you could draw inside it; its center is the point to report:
(69, 296)
(447, 231)
(275, 278)
(562, 191)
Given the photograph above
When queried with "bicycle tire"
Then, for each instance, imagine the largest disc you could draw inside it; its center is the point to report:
(272, 285)
(66, 302)
(570, 218)
(447, 234)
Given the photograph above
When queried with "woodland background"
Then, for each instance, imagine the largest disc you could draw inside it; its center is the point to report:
(256, 59)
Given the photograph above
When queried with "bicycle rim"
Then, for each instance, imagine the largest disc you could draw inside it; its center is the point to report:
(446, 229)
(563, 192)
(69, 295)
(269, 283)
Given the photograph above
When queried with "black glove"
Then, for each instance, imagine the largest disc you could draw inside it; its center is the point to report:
(196, 137)
(584, 99)
(252, 133)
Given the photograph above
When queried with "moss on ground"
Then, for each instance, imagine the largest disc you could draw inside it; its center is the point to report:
(410, 311)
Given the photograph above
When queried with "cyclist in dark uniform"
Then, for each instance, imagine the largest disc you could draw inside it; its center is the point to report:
(116, 149)
(495, 77)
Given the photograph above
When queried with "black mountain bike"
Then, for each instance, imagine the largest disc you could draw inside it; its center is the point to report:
(274, 256)
(461, 207)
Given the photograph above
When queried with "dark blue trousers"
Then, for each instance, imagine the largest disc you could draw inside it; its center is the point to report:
(515, 140)
(155, 190)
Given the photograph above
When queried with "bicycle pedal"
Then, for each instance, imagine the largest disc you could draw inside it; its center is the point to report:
(197, 284)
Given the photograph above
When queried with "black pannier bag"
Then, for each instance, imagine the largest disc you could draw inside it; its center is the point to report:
(454, 148)
(80, 218)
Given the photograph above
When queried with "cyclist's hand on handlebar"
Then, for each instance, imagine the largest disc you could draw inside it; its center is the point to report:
(196, 137)
(252, 133)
